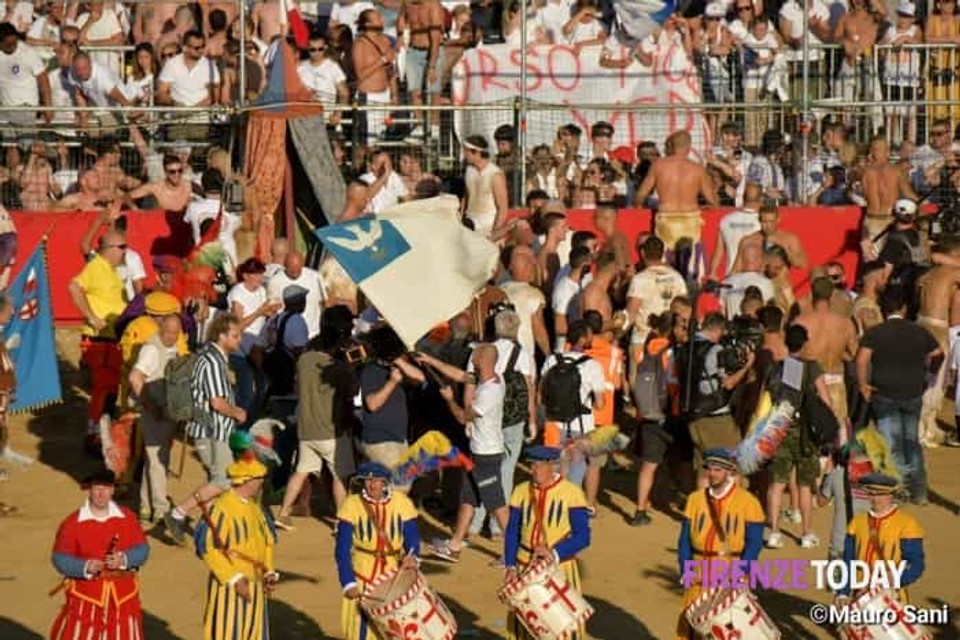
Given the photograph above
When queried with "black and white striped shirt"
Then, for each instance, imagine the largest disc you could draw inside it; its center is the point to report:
(211, 379)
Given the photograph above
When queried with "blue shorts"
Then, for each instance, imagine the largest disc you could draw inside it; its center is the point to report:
(416, 66)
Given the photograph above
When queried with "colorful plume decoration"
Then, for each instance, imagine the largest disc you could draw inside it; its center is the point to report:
(430, 452)
(257, 442)
(767, 435)
(116, 440)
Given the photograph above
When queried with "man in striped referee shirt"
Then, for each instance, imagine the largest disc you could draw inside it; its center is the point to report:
(212, 387)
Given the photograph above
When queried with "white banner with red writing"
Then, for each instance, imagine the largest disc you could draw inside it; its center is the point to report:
(561, 75)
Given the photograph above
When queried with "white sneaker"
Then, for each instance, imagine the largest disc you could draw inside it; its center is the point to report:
(795, 517)
(775, 540)
(809, 541)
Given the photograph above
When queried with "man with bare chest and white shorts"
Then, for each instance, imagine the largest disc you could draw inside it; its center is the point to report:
(679, 183)
(883, 185)
(833, 341)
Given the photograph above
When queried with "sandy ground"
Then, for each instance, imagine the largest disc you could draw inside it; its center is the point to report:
(630, 575)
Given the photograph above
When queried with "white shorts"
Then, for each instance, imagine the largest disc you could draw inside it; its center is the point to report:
(336, 455)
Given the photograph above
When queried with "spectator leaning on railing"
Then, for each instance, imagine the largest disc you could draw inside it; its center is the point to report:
(189, 79)
(21, 68)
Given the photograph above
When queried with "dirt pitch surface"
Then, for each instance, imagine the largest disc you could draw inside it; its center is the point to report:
(630, 575)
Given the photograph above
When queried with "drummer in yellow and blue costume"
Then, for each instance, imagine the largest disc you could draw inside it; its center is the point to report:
(886, 532)
(548, 518)
(376, 532)
(739, 536)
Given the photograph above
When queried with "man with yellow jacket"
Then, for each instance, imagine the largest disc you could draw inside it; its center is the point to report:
(235, 539)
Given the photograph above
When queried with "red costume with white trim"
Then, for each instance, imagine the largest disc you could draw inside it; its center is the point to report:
(104, 606)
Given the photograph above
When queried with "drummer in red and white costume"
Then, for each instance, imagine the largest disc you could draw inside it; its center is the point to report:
(376, 532)
(721, 521)
(98, 550)
(548, 519)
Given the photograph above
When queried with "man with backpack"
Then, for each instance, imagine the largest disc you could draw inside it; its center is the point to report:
(286, 336)
(571, 387)
(795, 379)
(706, 389)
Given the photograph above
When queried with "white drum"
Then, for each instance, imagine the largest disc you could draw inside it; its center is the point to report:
(545, 602)
(720, 614)
(401, 605)
(873, 605)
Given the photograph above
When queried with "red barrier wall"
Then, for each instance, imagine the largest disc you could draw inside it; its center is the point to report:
(827, 233)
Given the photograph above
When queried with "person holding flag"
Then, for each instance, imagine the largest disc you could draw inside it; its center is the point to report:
(8, 384)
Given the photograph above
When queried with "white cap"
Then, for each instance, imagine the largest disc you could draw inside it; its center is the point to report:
(904, 208)
(714, 10)
(907, 8)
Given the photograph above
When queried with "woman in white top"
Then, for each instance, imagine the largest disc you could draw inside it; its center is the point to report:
(760, 47)
(486, 203)
(584, 29)
(248, 302)
(512, 21)
(139, 86)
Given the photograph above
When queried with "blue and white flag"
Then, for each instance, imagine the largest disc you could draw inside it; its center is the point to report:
(636, 19)
(29, 336)
(416, 262)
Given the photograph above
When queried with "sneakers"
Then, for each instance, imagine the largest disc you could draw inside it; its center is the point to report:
(284, 523)
(640, 519)
(775, 540)
(177, 529)
(442, 551)
(952, 441)
(809, 541)
(793, 516)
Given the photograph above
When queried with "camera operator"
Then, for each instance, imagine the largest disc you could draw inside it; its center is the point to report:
(707, 387)
(385, 417)
(326, 386)
(904, 253)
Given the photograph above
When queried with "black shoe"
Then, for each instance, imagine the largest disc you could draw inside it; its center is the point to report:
(640, 519)
(176, 529)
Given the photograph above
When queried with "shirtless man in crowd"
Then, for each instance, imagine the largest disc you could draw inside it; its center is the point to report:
(88, 195)
(374, 61)
(424, 19)
(832, 342)
(267, 20)
(172, 194)
(939, 293)
(866, 308)
(883, 184)
(680, 183)
(614, 240)
(151, 18)
(856, 32)
(596, 295)
(770, 234)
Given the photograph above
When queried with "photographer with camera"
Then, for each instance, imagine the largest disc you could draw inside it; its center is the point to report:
(709, 372)
(326, 386)
(385, 417)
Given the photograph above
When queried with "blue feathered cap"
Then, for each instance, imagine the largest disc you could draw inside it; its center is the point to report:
(721, 458)
(369, 470)
(543, 453)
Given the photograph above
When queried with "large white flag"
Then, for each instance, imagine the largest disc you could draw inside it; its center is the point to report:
(415, 262)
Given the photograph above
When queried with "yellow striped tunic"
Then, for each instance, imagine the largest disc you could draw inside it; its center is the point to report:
(246, 534)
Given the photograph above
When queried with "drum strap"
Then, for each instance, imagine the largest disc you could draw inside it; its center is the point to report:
(715, 521)
(390, 550)
(874, 537)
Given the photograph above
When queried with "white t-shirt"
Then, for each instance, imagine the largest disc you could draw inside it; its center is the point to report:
(734, 227)
(189, 86)
(655, 287)
(131, 270)
(106, 27)
(98, 88)
(486, 428)
(902, 66)
(44, 29)
(20, 16)
(731, 298)
(565, 299)
(792, 12)
(504, 350)
(592, 384)
(584, 31)
(198, 212)
(148, 361)
(389, 195)
(551, 18)
(348, 13)
(249, 302)
(18, 76)
(309, 280)
(322, 79)
(526, 300)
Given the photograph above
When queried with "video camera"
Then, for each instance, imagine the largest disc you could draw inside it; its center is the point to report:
(743, 335)
(381, 345)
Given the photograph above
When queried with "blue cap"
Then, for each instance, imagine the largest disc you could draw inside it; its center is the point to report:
(543, 453)
(721, 458)
(879, 484)
(369, 470)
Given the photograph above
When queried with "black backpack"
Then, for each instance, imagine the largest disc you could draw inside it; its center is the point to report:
(650, 387)
(692, 369)
(817, 422)
(279, 365)
(517, 396)
(561, 390)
